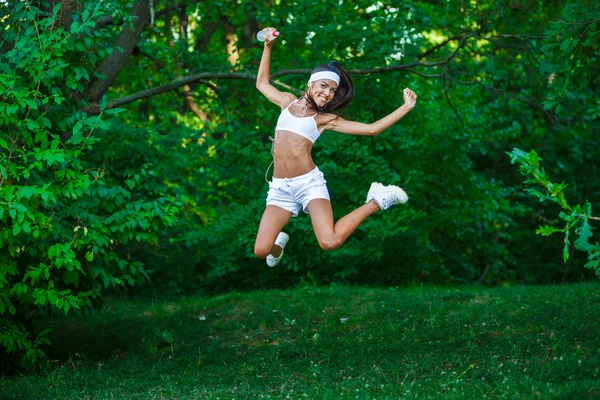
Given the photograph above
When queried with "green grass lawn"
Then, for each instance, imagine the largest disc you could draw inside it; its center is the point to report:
(333, 342)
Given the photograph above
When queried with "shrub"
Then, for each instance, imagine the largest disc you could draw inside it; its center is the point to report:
(65, 233)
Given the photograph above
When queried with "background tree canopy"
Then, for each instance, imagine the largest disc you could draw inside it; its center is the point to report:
(133, 140)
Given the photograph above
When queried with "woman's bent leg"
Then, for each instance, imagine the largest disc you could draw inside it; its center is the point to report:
(272, 222)
(329, 235)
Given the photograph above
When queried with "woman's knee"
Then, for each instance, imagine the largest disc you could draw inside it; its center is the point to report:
(330, 243)
(262, 250)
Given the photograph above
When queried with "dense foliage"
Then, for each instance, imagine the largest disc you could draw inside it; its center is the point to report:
(133, 139)
(67, 230)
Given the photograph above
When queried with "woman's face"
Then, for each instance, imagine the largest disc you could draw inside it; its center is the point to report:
(323, 91)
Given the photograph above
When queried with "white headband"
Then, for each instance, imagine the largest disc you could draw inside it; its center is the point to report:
(324, 75)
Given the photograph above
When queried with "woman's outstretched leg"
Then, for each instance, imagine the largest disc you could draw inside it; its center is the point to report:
(331, 236)
(272, 222)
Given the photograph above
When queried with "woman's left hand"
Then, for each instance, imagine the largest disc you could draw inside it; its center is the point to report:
(410, 98)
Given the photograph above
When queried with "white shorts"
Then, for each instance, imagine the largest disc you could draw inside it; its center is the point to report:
(294, 194)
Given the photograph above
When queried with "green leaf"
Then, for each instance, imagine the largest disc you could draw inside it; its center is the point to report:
(103, 103)
(52, 299)
(585, 233)
(547, 230)
(77, 127)
(32, 104)
(566, 246)
(112, 111)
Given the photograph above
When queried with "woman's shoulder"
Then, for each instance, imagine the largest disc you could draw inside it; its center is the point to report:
(287, 99)
(325, 118)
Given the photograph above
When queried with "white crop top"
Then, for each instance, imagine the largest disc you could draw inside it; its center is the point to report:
(303, 126)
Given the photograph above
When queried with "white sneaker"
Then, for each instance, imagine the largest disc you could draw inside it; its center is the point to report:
(386, 196)
(281, 241)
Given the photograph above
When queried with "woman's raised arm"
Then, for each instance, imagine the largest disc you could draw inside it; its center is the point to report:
(263, 83)
(358, 128)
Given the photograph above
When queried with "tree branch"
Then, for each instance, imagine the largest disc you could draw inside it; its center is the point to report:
(157, 63)
(106, 20)
(180, 4)
(452, 106)
(210, 29)
(589, 217)
(408, 67)
(530, 100)
(439, 46)
(127, 40)
(182, 81)
(412, 71)
(94, 109)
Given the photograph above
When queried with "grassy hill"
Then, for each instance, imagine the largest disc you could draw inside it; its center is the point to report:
(334, 342)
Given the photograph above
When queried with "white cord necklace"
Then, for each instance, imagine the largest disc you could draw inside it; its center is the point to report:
(304, 109)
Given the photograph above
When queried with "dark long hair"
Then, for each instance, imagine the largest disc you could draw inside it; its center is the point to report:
(343, 95)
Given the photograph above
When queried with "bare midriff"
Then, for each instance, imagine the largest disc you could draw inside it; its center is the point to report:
(292, 154)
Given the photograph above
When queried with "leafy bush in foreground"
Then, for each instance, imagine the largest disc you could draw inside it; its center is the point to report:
(64, 233)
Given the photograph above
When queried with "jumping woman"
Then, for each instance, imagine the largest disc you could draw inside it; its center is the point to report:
(297, 183)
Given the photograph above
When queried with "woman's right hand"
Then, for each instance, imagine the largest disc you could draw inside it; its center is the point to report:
(269, 43)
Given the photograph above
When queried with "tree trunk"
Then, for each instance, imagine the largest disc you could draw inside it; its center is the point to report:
(127, 40)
